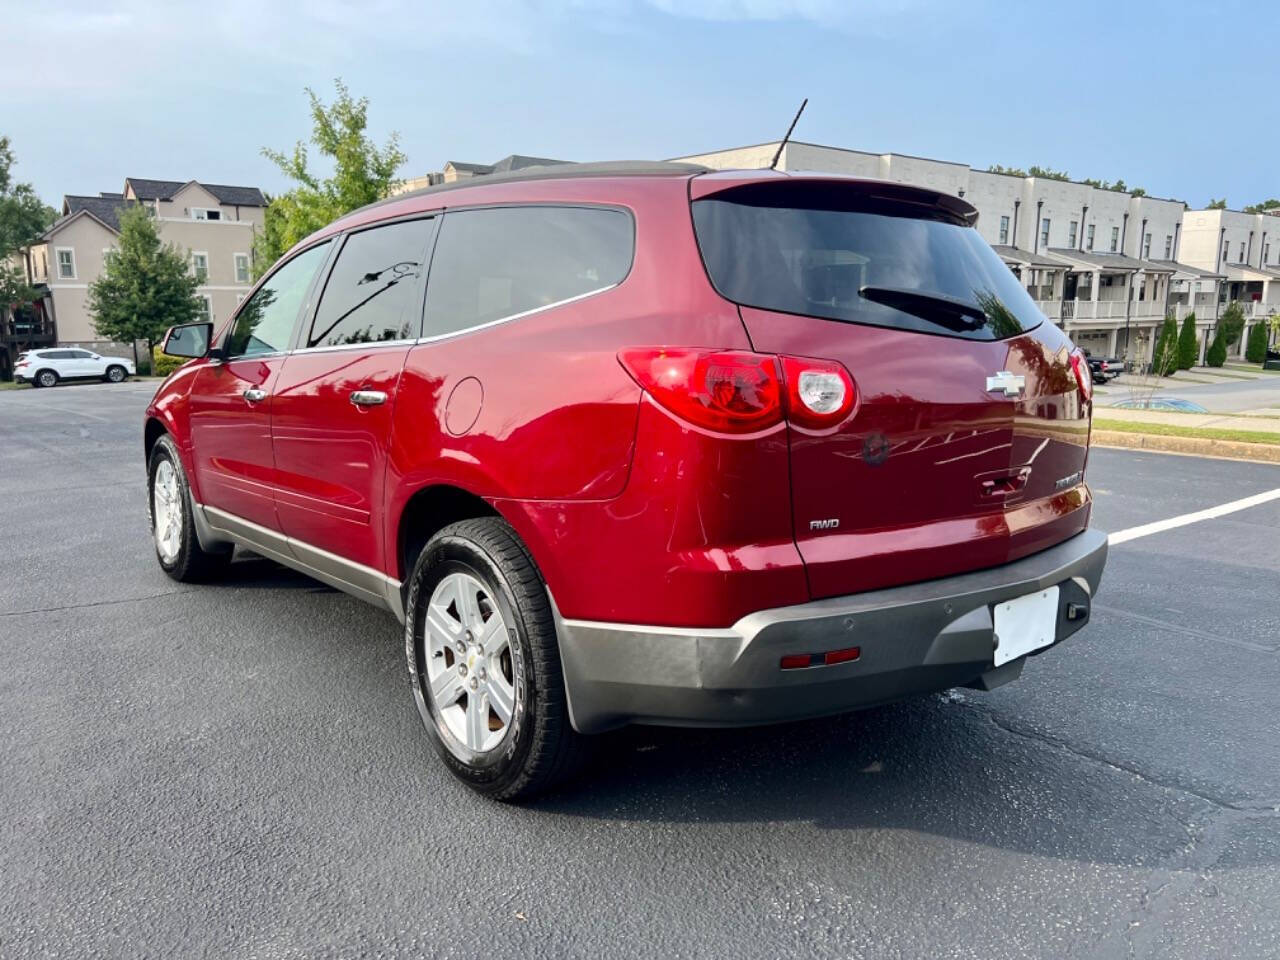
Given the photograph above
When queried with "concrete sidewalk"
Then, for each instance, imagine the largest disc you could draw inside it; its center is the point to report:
(1219, 421)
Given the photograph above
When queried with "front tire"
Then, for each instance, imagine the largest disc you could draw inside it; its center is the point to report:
(484, 662)
(116, 373)
(173, 529)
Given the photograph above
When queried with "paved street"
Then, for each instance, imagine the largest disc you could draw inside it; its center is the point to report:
(1258, 395)
(239, 769)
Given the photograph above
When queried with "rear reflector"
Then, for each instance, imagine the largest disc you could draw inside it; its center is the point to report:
(798, 661)
(842, 656)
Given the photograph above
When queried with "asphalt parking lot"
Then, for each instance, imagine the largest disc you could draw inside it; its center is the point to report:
(238, 770)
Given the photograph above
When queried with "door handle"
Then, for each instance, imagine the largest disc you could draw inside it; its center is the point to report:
(368, 398)
(255, 394)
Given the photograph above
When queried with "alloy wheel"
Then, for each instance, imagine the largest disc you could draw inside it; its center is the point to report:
(469, 671)
(166, 511)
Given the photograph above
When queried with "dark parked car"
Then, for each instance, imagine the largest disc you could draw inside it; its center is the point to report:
(646, 444)
(1104, 368)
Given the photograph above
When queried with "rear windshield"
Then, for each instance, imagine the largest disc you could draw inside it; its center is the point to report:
(811, 251)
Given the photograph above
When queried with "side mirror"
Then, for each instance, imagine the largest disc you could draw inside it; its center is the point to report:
(188, 340)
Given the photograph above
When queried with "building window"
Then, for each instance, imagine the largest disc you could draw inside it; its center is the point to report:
(203, 213)
(1004, 229)
(1146, 246)
(242, 267)
(107, 254)
(1071, 234)
(1115, 238)
(204, 304)
(1266, 253)
(1241, 260)
(1044, 232)
(1088, 236)
(1168, 246)
(66, 263)
(1226, 252)
(200, 264)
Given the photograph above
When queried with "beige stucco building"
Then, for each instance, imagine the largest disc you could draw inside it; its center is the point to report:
(215, 225)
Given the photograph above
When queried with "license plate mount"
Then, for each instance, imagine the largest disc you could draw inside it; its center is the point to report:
(1025, 624)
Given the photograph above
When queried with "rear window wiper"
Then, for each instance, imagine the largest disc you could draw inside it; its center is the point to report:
(945, 311)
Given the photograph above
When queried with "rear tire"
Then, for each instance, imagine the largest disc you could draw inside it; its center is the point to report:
(536, 747)
(116, 373)
(177, 548)
(45, 378)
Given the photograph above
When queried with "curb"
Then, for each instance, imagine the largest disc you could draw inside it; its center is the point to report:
(1193, 446)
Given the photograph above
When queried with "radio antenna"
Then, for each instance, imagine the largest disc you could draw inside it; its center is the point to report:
(774, 164)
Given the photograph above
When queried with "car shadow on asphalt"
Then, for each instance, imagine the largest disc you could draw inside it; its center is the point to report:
(248, 571)
(956, 764)
(943, 765)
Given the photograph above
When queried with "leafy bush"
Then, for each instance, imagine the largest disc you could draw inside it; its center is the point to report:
(1255, 349)
(1217, 354)
(1231, 323)
(1188, 344)
(163, 364)
(1164, 362)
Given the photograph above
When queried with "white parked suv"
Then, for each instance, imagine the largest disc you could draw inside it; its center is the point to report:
(44, 368)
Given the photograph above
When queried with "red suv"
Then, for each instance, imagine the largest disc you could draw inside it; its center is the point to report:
(646, 444)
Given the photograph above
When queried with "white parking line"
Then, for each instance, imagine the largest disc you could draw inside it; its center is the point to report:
(1133, 533)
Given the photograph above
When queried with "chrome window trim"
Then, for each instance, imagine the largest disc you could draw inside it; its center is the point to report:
(516, 316)
(354, 346)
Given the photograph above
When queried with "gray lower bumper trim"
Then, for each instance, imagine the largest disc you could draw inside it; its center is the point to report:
(915, 638)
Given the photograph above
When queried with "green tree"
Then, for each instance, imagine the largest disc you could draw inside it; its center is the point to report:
(1188, 344)
(1164, 362)
(145, 286)
(1218, 204)
(23, 217)
(1216, 355)
(1255, 349)
(362, 173)
(1262, 207)
(1231, 323)
(1048, 173)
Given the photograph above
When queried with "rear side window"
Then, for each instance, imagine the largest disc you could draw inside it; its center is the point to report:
(265, 321)
(497, 263)
(372, 287)
(845, 256)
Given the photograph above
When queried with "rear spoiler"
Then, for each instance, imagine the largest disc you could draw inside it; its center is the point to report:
(772, 187)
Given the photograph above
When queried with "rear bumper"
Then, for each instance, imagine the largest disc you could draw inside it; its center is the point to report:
(913, 639)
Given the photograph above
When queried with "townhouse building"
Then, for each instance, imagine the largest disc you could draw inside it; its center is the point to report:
(1106, 265)
(214, 224)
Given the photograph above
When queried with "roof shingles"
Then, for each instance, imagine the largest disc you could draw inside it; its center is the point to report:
(165, 190)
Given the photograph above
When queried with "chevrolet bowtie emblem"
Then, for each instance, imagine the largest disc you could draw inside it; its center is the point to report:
(1007, 383)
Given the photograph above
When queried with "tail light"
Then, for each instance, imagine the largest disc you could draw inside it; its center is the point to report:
(820, 393)
(721, 390)
(1080, 364)
(731, 391)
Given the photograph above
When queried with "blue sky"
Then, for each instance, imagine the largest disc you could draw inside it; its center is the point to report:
(1143, 91)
